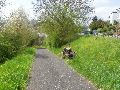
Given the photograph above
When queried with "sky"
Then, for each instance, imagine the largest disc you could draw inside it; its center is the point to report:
(103, 8)
(13, 5)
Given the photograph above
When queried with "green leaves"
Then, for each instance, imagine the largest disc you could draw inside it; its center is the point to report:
(14, 73)
(15, 35)
(61, 27)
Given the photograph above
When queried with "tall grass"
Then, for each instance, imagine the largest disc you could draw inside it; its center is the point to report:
(98, 60)
(14, 73)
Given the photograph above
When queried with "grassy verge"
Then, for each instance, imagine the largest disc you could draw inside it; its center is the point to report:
(14, 73)
(98, 60)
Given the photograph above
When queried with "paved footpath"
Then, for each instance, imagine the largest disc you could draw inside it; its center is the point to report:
(51, 73)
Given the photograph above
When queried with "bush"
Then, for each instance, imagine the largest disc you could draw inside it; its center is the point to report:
(6, 50)
(15, 36)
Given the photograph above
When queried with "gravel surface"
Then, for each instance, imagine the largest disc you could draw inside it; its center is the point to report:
(51, 73)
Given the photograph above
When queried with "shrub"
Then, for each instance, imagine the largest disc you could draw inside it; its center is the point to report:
(5, 49)
(15, 36)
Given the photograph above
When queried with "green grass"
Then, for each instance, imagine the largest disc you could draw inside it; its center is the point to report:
(98, 60)
(14, 73)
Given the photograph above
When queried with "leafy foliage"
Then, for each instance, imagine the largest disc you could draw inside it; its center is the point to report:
(62, 20)
(80, 8)
(97, 24)
(95, 18)
(102, 26)
(61, 28)
(15, 36)
(2, 3)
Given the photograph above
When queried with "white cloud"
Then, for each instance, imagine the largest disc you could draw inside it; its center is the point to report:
(104, 12)
(100, 3)
(103, 8)
(15, 4)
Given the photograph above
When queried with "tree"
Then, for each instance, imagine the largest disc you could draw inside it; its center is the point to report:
(115, 22)
(80, 8)
(63, 31)
(99, 23)
(95, 18)
(2, 4)
(19, 25)
(93, 25)
(15, 36)
(62, 19)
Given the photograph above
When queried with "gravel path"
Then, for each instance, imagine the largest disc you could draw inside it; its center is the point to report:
(51, 73)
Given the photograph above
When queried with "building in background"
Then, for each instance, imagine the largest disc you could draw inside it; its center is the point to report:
(115, 16)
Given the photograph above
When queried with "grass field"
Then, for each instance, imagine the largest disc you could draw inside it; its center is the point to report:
(98, 60)
(14, 73)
